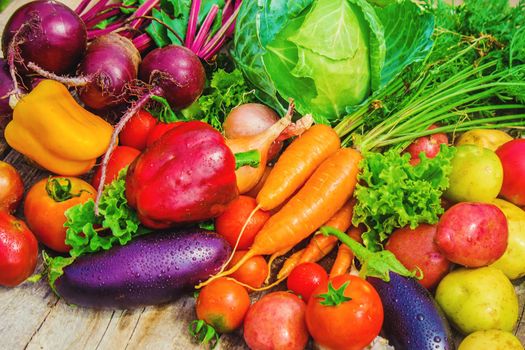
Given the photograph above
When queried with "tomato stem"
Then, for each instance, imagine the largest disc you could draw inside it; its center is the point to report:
(334, 296)
(61, 192)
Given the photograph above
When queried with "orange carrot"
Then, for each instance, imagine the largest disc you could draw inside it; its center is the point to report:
(290, 263)
(321, 245)
(296, 164)
(326, 191)
(343, 260)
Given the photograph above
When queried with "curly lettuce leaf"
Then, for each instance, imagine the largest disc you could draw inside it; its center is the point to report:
(392, 193)
(116, 224)
(226, 91)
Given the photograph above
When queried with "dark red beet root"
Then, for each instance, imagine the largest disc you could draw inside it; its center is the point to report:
(53, 35)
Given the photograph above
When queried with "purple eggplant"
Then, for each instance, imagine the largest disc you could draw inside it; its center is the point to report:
(413, 320)
(152, 269)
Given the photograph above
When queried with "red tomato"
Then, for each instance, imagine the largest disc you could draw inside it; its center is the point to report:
(351, 324)
(135, 133)
(223, 305)
(159, 130)
(18, 251)
(46, 203)
(305, 277)
(231, 222)
(121, 157)
(253, 272)
(276, 322)
(11, 187)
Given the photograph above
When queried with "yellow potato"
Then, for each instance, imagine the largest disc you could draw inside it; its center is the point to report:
(492, 339)
(512, 262)
(487, 138)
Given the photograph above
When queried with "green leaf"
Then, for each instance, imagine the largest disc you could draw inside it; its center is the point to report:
(207, 225)
(392, 193)
(226, 91)
(3, 4)
(204, 333)
(176, 14)
(334, 296)
(116, 224)
(55, 267)
(373, 264)
(165, 114)
(157, 31)
(408, 36)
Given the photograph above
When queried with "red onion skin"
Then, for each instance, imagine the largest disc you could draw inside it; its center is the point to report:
(56, 40)
(177, 71)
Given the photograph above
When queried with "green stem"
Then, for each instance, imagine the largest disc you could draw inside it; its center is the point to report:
(250, 158)
(373, 264)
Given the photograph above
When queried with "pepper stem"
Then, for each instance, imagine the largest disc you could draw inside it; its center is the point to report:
(250, 158)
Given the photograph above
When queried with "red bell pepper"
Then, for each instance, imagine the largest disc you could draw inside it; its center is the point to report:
(188, 175)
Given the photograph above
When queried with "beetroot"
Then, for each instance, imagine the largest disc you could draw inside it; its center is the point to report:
(177, 71)
(6, 86)
(113, 62)
(50, 34)
(188, 175)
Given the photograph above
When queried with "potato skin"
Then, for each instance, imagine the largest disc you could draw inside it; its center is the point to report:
(488, 138)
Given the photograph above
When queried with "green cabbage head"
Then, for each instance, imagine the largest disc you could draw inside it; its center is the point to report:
(328, 55)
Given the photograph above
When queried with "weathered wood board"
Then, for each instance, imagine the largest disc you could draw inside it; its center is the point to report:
(32, 317)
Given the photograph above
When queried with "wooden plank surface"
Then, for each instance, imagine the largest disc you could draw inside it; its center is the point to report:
(32, 317)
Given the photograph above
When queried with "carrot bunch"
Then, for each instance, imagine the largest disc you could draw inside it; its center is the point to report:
(315, 179)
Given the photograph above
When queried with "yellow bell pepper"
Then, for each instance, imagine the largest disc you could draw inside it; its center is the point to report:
(53, 130)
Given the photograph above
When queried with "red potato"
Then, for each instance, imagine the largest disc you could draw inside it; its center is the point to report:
(417, 249)
(512, 156)
(472, 234)
(231, 222)
(121, 157)
(11, 187)
(276, 322)
(427, 144)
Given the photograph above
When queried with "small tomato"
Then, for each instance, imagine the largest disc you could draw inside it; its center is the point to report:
(121, 157)
(135, 133)
(344, 313)
(46, 203)
(159, 130)
(253, 272)
(18, 251)
(305, 277)
(230, 223)
(223, 304)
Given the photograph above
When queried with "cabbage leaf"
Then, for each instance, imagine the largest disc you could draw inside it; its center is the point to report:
(328, 55)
